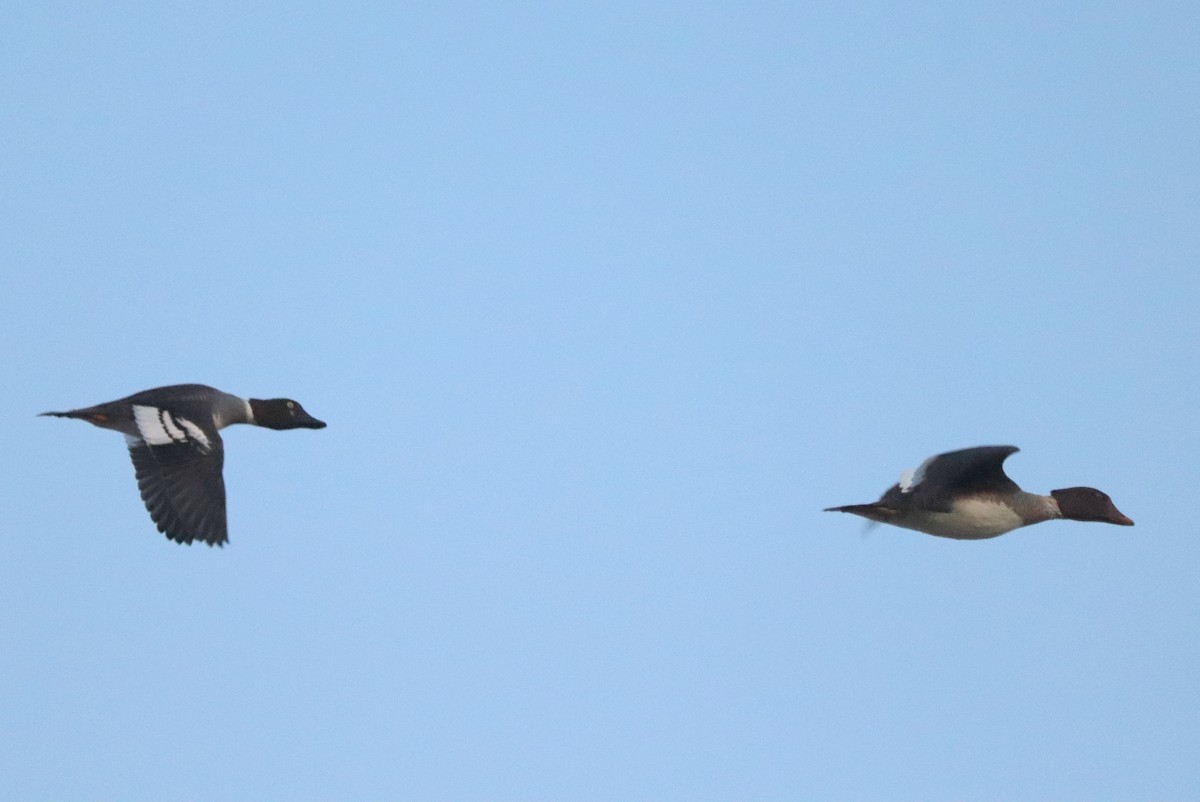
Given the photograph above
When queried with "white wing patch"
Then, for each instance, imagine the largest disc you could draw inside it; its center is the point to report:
(158, 427)
(910, 479)
(195, 432)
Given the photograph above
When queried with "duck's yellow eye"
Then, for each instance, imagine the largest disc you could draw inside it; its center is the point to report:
(291, 404)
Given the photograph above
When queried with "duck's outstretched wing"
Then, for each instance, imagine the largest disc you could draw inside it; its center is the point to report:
(178, 464)
(965, 472)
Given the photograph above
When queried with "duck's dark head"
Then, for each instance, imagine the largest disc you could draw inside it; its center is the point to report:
(1088, 504)
(282, 413)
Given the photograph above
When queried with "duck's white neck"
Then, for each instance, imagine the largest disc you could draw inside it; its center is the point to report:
(1051, 505)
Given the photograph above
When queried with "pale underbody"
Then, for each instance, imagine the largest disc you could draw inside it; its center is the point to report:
(969, 519)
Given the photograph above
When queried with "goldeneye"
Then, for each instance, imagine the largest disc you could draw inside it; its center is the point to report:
(172, 434)
(966, 495)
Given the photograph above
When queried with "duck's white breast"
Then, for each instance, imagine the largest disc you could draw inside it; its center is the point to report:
(968, 519)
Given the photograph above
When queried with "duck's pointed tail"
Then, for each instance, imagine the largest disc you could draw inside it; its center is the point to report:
(90, 415)
(872, 512)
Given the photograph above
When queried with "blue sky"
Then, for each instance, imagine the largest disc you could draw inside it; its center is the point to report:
(603, 303)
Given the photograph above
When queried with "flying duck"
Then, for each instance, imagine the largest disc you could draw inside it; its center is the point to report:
(173, 439)
(966, 495)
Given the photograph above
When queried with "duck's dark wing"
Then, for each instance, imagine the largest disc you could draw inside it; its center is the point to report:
(178, 466)
(970, 471)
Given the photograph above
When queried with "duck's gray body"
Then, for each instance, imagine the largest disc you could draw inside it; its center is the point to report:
(205, 406)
